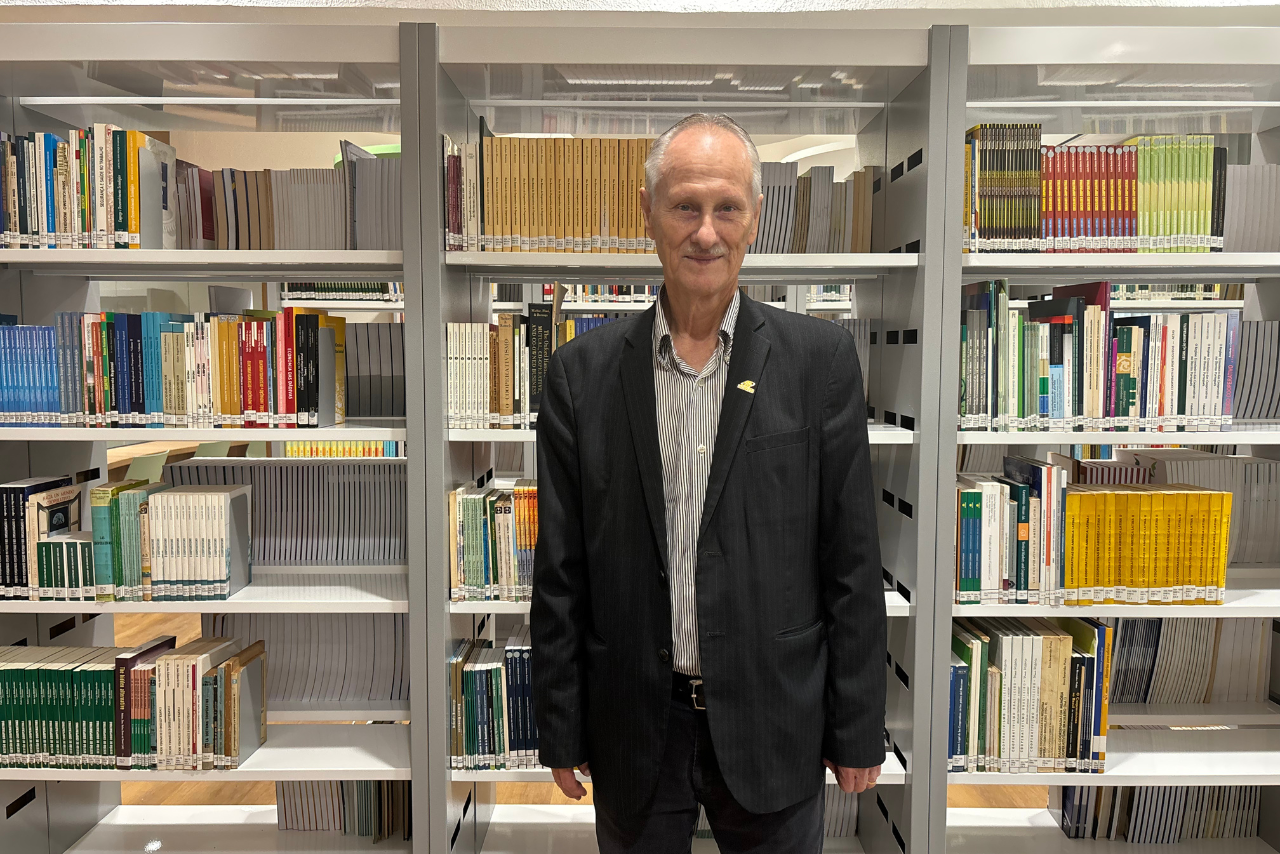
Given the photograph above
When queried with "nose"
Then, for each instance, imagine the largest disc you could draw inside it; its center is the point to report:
(706, 237)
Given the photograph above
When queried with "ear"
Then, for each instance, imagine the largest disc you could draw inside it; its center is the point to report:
(646, 204)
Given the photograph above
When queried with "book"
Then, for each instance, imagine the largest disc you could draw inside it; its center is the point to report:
(1170, 193)
(377, 809)
(161, 369)
(339, 506)
(1151, 814)
(108, 187)
(1034, 708)
(200, 542)
(491, 696)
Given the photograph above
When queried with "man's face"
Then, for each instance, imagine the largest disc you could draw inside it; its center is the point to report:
(702, 216)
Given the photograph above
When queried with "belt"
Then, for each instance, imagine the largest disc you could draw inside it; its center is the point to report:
(687, 691)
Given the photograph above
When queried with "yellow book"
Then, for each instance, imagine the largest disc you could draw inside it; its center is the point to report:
(540, 205)
(596, 151)
(585, 198)
(133, 141)
(555, 174)
(1214, 570)
(455, 585)
(606, 190)
(572, 194)
(1145, 548)
(522, 199)
(1224, 547)
(1203, 549)
(1124, 525)
(511, 186)
(1073, 546)
(1176, 509)
(1157, 568)
(1088, 548)
(627, 153)
(502, 193)
(1188, 506)
(486, 165)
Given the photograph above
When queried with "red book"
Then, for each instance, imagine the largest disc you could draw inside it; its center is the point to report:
(264, 392)
(284, 368)
(1132, 179)
(1046, 198)
(247, 398)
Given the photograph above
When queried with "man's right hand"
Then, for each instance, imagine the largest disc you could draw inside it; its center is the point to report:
(568, 783)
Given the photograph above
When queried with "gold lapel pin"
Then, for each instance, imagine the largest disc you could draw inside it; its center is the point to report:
(748, 386)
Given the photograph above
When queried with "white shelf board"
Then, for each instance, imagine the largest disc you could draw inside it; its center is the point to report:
(199, 829)
(382, 429)
(1230, 757)
(312, 711)
(506, 306)
(1194, 714)
(270, 593)
(1253, 590)
(867, 263)
(877, 434)
(1210, 264)
(291, 752)
(571, 829)
(343, 304)
(830, 305)
(204, 262)
(894, 603)
(1240, 433)
(1017, 831)
(891, 774)
(603, 307)
(1162, 305)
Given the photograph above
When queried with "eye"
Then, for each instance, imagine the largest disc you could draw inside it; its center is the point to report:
(684, 207)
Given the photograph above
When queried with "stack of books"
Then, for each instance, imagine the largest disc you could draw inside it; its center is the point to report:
(496, 371)
(491, 695)
(1158, 814)
(1151, 194)
(371, 292)
(108, 188)
(1190, 660)
(155, 706)
(156, 369)
(339, 514)
(333, 658)
(1071, 363)
(1029, 536)
(345, 448)
(376, 809)
(1029, 695)
(495, 531)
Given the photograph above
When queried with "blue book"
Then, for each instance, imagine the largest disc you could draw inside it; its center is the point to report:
(120, 331)
(151, 367)
(50, 206)
(954, 761)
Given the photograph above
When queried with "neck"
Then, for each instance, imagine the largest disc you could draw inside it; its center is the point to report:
(695, 316)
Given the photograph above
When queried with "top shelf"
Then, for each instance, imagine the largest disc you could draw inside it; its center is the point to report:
(1213, 264)
(517, 263)
(302, 264)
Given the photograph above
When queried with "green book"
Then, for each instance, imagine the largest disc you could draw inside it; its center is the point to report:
(44, 569)
(104, 508)
(131, 503)
(120, 186)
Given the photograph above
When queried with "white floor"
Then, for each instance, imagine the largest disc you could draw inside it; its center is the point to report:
(572, 830)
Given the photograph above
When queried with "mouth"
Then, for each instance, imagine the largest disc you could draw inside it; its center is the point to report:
(703, 259)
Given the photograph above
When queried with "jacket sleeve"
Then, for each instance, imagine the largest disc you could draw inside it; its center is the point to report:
(848, 557)
(559, 615)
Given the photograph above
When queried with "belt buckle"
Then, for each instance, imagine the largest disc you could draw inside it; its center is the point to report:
(693, 694)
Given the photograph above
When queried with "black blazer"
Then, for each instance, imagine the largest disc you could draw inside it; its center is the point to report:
(790, 603)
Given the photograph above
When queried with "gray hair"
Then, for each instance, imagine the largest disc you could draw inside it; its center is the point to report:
(658, 151)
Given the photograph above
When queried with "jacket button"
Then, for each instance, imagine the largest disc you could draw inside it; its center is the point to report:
(663, 655)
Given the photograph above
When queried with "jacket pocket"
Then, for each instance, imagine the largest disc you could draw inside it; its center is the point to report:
(777, 440)
(800, 630)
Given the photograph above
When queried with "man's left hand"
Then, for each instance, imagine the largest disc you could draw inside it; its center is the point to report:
(853, 779)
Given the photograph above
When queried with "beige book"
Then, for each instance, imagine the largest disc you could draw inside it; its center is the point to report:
(504, 203)
(486, 165)
(506, 371)
(557, 193)
(596, 230)
(215, 368)
(573, 229)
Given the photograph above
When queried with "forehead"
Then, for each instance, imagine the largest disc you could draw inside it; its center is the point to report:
(706, 155)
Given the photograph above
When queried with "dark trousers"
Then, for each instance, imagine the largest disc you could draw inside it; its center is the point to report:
(690, 776)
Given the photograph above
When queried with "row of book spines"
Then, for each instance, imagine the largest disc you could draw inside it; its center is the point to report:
(1145, 530)
(344, 449)
(156, 370)
(494, 725)
(495, 371)
(190, 544)
(1029, 712)
(61, 718)
(492, 551)
(1193, 358)
(374, 292)
(547, 195)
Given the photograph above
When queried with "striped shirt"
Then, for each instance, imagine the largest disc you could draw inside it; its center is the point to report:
(688, 419)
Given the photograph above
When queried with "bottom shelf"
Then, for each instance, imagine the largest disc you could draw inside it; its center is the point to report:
(572, 830)
(199, 829)
(891, 774)
(1015, 831)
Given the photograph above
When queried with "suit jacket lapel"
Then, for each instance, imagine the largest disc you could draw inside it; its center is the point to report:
(746, 362)
(642, 410)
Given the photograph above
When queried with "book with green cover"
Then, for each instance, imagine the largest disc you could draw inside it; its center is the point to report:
(131, 503)
(104, 508)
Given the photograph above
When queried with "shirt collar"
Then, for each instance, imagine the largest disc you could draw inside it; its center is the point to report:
(663, 351)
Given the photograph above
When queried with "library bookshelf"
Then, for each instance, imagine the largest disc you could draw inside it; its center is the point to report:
(309, 738)
(919, 90)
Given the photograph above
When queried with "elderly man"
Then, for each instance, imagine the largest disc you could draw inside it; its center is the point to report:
(708, 619)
